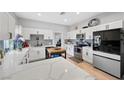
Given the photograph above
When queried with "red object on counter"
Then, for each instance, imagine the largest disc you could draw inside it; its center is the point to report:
(25, 44)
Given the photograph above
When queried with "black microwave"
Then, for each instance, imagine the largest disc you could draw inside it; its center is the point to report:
(107, 41)
(80, 36)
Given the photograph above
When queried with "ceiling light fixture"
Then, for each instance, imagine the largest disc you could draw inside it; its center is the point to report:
(39, 14)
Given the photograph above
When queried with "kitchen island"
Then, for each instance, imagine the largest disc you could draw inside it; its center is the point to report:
(56, 51)
(50, 69)
(12, 60)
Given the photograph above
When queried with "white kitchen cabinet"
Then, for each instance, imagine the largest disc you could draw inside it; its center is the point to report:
(88, 33)
(4, 26)
(25, 59)
(78, 31)
(36, 53)
(100, 27)
(107, 26)
(26, 32)
(114, 25)
(29, 31)
(7, 26)
(12, 24)
(87, 54)
(70, 49)
(73, 34)
(48, 35)
(68, 35)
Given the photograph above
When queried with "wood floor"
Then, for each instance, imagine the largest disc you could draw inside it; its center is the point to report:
(100, 75)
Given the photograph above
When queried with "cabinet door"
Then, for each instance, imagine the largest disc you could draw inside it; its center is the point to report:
(87, 54)
(12, 26)
(42, 53)
(48, 35)
(72, 50)
(108, 65)
(4, 35)
(89, 34)
(114, 25)
(68, 35)
(73, 35)
(68, 49)
(26, 34)
(100, 28)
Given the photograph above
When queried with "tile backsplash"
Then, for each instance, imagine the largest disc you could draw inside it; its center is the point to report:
(70, 41)
(38, 40)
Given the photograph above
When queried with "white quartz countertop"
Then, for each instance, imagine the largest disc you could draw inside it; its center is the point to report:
(50, 69)
(11, 60)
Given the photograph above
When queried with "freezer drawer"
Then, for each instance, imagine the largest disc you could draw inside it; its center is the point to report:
(108, 65)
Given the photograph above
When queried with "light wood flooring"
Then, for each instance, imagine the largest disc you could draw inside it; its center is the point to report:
(100, 75)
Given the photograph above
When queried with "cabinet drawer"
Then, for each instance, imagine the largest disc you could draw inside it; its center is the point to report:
(107, 65)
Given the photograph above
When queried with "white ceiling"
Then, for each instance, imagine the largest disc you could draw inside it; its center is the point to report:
(69, 18)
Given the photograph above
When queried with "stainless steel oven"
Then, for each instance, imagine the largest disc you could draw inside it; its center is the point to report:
(78, 52)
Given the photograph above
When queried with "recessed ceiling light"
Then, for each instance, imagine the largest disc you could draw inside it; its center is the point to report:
(39, 14)
(77, 13)
(65, 20)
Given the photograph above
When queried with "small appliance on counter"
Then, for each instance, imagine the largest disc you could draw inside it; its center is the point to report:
(80, 36)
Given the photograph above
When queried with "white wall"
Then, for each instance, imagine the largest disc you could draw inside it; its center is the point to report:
(106, 17)
(42, 25)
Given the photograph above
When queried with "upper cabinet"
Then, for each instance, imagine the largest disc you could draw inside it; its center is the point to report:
(7, 26)
(27, 32)
(12, 25)
(112, 25)
(4, 26)
(48, 34)
(71, 34)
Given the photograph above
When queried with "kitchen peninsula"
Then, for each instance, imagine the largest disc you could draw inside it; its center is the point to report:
(54, 52)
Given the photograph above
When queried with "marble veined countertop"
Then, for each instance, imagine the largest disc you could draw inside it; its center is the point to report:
(11, 61)
(50, 69)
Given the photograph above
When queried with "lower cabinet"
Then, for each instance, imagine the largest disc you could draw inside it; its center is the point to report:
(36, 53)
(70, 50)
(25, 59)
(87, 54)
(108, 65)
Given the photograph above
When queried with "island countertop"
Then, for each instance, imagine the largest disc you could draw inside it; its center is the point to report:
(50, 69)
(12, 60)
(54, 50)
